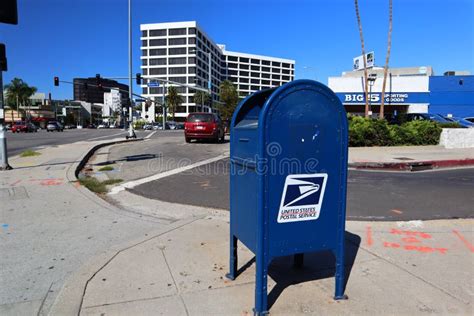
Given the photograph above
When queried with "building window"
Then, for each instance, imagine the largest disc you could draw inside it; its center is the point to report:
(276, 70)
(276, 64)
(285, 71)
(192, 40)
(232, 72)
(144, 71)
(257, 68)
(191, 70)
(276, 77)
(285, 78)
(255, 81)
(244, 60)
(192, 30)
(144, 33)
(243, 87)
(192, 50)
(191, 80)
(265, 62)
(177, 61)
(266, 82)
(144, 43)
(232, 58)
(267, 69)
(158, 52)
(244, 80)
(285, 65)
(144, 90)
(157, 33)
(255, 74)
(275, 83)
(156, 90)
(181, 31)
(181, 89)
(244, 73)
(157, 61)
(191, 60)
(292, 66)
(144, 62)
(177, 71)
(158, 42)
(244, 66)
(265, 75)
(255, 88)
(177, 41)
(177, 51)
(255, 61)
(191, 109)
(157, 71)
(233, 65)
(178, 79)
(144, 52)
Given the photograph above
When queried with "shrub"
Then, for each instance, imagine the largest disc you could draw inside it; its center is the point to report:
(423, 132)
(399, 136)
(449, 125)
(29, 153)
(368, 132)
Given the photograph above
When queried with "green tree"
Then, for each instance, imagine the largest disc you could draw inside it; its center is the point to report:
(201, 98)
(18, 93)
(173, 100)
(229, 98)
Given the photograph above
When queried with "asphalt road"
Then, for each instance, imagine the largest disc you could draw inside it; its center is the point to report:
(19, 142)
(371, 195)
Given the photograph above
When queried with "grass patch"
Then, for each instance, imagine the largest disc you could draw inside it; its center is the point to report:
(29, 153)
(112, 181)
(97, 186)
(106, 168)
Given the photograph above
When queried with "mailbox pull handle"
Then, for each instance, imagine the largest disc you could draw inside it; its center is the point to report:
(244, 140)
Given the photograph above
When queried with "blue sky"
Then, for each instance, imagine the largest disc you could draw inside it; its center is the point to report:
(81, 38)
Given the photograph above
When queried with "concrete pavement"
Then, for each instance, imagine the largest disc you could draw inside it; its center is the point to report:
(50, 226)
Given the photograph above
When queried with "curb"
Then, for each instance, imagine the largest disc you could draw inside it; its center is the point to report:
(91, 152)
(413, 166)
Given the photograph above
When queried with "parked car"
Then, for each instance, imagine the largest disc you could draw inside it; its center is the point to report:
(460, 121)
(91, 126)
(470, 119)
(102, 126)
(407, 117)
(157, 126)
(179, 125)
(203, 126)
(54, 126)
(148, 127)
(70, 126)
(8, 127)
(25, 127)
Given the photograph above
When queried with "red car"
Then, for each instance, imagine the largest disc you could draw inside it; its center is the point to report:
(24, 127)
(204, 126)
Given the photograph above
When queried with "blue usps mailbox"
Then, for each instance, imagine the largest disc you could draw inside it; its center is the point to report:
(288, 154)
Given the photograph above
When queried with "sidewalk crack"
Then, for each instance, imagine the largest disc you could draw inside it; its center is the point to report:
(175, 284)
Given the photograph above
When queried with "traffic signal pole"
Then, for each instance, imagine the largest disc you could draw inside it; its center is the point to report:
(131, 132)
(3, 140)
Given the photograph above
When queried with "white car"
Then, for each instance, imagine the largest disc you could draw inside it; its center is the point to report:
(102, 126)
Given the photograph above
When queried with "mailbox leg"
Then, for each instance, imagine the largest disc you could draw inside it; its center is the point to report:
(261, 288)
(340, 276)
(233, 258)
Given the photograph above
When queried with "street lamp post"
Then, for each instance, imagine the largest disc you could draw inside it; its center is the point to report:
(371, 79)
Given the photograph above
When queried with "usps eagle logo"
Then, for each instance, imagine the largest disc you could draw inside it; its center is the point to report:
(302, 197)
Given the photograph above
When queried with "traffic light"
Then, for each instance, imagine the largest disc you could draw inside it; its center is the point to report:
(3, 58)
(139, 78)
(56, 81)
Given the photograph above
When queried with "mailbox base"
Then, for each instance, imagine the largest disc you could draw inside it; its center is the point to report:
(255, 313)
(342, 297)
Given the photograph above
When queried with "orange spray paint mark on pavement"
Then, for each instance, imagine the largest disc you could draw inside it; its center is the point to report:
(410, 233)
(369, 240)
(464, 240)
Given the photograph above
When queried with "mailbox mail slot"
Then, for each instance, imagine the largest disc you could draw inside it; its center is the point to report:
(288, 179)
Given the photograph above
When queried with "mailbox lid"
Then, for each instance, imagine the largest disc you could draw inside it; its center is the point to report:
(305, 132)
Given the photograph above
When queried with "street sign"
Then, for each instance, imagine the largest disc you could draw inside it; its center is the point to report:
(152, 84)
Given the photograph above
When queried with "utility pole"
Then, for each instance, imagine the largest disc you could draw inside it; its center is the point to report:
(131, 132)
(3, 140)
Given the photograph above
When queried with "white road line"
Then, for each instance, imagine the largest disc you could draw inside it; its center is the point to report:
(121, 133)
(132, 184)
(149, 135)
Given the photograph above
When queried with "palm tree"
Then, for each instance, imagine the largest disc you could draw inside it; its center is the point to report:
(229, 98)
(387, 57)
(366, 77)
(201, 97)
(173, 100)
(18, 92)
